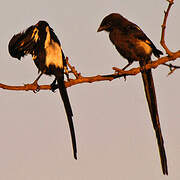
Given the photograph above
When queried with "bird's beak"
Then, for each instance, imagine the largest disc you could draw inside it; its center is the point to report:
(101, 28)
(104, 28)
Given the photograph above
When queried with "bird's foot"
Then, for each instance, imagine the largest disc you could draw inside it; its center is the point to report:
(33, 86)
(54, 86)
(36, 85)
(119, 72)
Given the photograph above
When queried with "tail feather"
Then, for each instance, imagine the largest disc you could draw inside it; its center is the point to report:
(152, 103)
(69, 113)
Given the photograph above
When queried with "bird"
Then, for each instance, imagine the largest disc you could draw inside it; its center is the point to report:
(134, 45)
(41, 42)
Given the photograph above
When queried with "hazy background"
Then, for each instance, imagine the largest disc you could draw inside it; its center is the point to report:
(114, 132)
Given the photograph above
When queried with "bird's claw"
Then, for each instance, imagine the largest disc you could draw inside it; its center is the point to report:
(125, 78)
(119, 71)
(37, 87)
(33, 86)
(37, 90)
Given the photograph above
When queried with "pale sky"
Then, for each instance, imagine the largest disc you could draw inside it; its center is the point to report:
(114, 132)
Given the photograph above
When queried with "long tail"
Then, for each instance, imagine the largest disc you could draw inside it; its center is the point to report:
(69, 113)
(152, 103)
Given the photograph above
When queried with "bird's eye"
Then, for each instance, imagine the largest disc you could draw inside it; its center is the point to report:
(108, 24)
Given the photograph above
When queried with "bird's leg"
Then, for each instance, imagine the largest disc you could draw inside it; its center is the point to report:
(129, 63)
(37, 79)
(53, 85)
(35, 83)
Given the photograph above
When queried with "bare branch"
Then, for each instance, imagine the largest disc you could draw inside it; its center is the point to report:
(73, 70)
(82, 79)
(166, 13)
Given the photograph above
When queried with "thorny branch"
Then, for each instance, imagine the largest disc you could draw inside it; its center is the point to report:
(118, 72)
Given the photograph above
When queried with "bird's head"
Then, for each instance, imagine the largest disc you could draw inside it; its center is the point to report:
(111, 21)
(41, 25)
(25, 42)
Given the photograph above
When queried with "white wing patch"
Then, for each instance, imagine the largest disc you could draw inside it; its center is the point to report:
(53, 52)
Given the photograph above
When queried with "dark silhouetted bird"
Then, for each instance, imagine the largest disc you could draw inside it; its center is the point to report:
(132, 43)
(42, 43)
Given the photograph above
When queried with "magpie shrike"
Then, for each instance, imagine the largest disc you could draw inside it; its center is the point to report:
(42, 43)
(133, 44)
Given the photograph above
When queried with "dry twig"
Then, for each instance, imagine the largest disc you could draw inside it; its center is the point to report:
(166, 13)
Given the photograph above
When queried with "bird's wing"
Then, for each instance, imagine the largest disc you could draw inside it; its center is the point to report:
(139, 34)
